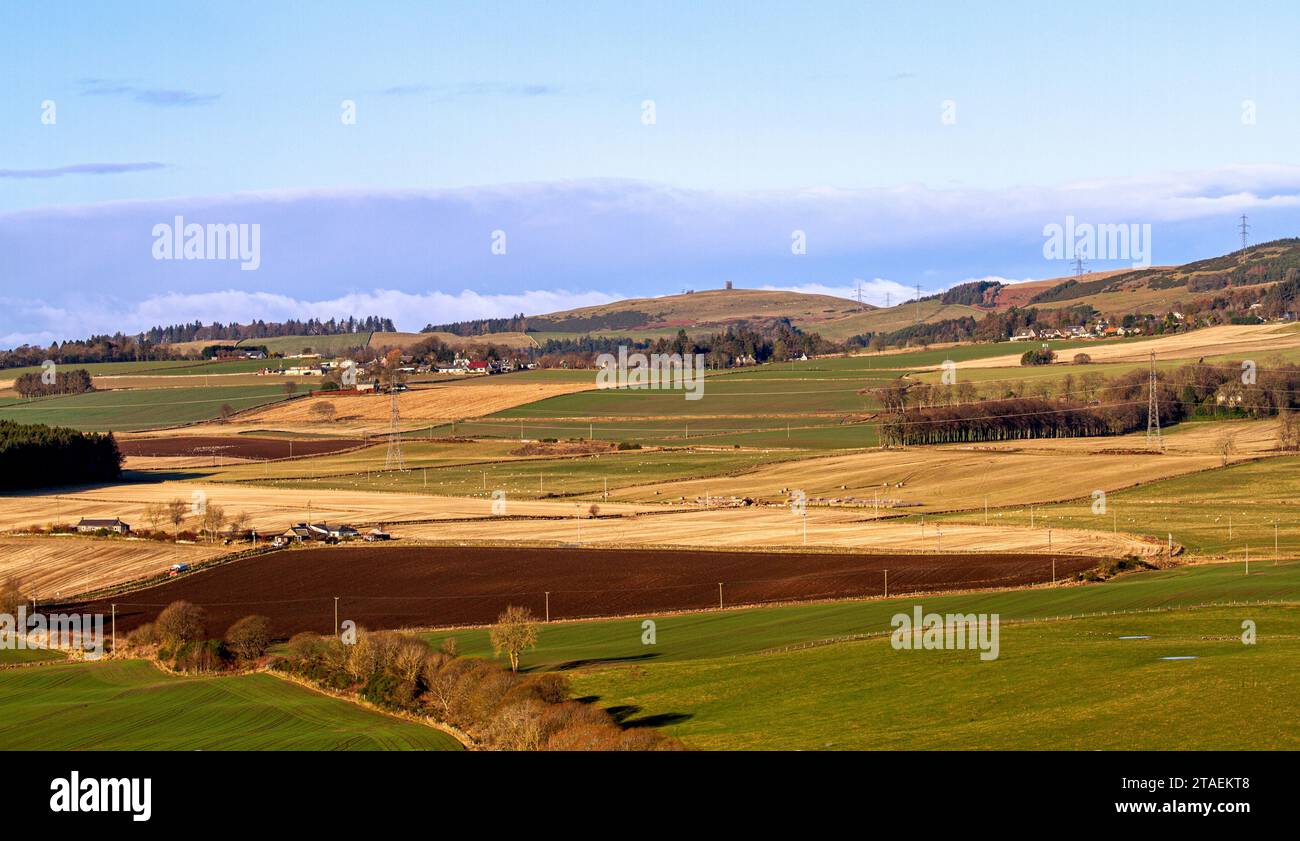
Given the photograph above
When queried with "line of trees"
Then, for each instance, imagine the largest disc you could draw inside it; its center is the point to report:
(499, 709)
(198, 331)
(179, 639)
(32, 384)
(36, 455)
(478, 327)
(1088, 405)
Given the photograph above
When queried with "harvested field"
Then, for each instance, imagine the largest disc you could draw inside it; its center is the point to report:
(391, 587)
(67, 565)
(946, 477)
(234, 446)
(516, 341)
(843, 530)
(269, 509)
(1228, 339)
(464, 399)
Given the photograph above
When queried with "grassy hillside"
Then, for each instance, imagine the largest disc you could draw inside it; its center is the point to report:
(403, 340)
(713, 307)
(130, 705)
(324, 345)
(1160, 288)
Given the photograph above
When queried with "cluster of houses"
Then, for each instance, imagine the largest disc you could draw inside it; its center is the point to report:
(297, 533)
(465, 365)
(326, 533)
(1101, 329)
(311, 365)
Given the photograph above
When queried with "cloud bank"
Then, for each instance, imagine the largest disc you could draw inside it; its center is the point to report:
(441, 255)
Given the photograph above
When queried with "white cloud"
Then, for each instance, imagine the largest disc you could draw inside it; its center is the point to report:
(409, 311)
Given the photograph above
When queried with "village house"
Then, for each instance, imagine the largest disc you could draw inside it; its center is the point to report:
(90, 526)
(1025, 335)
(307, 532)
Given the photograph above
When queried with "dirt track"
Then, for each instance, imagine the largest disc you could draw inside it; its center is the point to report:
(386, 587)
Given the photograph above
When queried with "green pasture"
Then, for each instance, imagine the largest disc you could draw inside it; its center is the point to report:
(102, 411)
(130, 705)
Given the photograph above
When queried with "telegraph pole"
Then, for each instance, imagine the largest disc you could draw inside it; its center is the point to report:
(336, 617)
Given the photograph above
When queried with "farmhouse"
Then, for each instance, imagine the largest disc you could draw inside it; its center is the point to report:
(306, 532)
(1025, 335)
(88, 525)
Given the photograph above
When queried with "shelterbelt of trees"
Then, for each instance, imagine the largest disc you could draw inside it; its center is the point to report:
(36, 455)
(154, 344)
(1095, 405)
(76, 381)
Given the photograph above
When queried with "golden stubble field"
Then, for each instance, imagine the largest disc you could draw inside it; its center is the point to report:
(965, 477)
(1226, 340)
(65, 565)
(471, 398)
(270, 510)
(776, 527)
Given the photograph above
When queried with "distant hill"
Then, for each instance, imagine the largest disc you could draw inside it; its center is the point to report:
(714, 308)
(1160, 288)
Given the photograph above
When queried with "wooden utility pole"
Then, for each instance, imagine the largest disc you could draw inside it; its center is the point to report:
(336, 617)
(114, 607)
(719, 595)
(548, 605)
(886, 583)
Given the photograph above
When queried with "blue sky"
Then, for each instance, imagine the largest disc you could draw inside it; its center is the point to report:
(528, 118)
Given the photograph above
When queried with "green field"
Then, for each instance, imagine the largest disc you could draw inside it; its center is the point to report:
(1056, 686)
(11, 656)
(130, 705)
(814, 433)
(99, 369)
(1064, 682)
(101, 411)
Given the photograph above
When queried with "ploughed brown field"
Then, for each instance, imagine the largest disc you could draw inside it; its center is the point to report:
(393, 587)
(234, 446)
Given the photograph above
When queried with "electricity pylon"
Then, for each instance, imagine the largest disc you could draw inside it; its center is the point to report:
(394, 460)
(1153, 412)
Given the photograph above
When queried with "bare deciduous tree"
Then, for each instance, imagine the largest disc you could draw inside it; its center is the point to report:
(249, 637)
(515, 631)
(181, 622)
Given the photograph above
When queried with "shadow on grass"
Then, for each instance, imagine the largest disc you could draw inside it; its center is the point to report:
(569, 665)
(623, 714)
